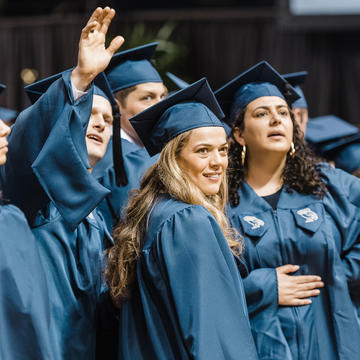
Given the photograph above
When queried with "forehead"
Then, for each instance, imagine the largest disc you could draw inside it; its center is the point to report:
(156, 87)
(101, 104)
(266, 101)
(212, 135)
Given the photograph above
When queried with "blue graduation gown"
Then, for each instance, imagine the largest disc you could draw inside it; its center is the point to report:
(136, 162)
(47, 176)
(189, 301)
(24, 307)
(322, 236)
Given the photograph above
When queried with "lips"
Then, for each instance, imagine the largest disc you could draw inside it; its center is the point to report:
(95, 138)
(4, 147)
(276, 133)
(213, 176)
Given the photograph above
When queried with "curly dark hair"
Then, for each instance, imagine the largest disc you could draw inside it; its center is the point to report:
(301, 173)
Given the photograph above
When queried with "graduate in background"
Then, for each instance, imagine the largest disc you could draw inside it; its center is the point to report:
(24, 306)
(301, 223)
(337, 141)
(136, 86)
(173, 270)
(54, 145)
(300, 106)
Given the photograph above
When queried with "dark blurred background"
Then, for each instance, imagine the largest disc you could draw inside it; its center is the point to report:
(218, 39)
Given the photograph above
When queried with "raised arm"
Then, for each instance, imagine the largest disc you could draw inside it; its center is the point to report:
(48, 156)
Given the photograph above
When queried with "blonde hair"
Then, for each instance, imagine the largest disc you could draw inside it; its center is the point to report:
(163, 177)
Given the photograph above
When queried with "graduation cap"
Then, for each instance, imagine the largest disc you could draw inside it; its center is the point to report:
(132, 67)
(6, 114)
(335, 139)
(260, 80)
(181, 84)
(296, 79)
(192, 107)
(323, 131)
(101, 88)
(347, 156)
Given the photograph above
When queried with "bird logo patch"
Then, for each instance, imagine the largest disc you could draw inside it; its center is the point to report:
(309, 215)
(254, 222)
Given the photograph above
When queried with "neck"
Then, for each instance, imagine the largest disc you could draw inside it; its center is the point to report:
(265, 173)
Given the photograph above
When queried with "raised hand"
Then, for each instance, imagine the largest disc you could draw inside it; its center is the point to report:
(295, 290)
(93, 57)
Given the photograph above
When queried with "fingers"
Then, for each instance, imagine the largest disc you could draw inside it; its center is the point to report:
(108, 16)
(303, 279)
(299, 302)
(307, 294)
(312, 285)
(95, 15)
(102, 18)
(88, 28)
(285, 269)
(115, 45)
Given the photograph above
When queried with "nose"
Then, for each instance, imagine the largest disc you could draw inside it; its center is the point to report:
(4, 129)
(275, 119)
(215, 159)
(98, 123)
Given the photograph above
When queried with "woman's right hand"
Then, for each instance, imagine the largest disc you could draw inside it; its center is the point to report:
(295, 290)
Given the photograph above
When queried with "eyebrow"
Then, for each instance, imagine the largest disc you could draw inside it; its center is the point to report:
(268, 107)
(209, 145)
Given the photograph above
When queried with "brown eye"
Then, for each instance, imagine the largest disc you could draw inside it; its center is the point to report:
(260, 114)
(202, 151)
(284, 112)
(224, 149)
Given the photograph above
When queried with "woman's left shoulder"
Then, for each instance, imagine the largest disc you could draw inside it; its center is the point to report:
(341, 184)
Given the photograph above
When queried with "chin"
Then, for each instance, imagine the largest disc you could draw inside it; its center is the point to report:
(210, 191)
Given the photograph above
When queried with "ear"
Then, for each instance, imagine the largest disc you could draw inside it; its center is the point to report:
(118, 103)
(238, 136)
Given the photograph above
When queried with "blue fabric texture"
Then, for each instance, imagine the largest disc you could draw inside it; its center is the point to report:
(24, 306)
(301, 102)
(249, 92)
(136, 161)
(348, 158)
(323, 238)
(189, 300)
(296, 79)
(132, 67)
(47, 176)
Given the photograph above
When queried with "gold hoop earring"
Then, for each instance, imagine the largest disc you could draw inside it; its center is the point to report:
(243, 155)
(292, 150)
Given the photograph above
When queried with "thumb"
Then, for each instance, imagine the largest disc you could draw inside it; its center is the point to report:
(288, 268)
(115, 44)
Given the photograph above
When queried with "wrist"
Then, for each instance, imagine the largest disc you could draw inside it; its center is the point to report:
(81, 80)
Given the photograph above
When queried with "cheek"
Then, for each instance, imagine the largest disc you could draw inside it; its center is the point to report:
(225, 162)
(192, 166)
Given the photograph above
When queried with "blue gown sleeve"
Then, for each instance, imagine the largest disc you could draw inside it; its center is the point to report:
(48, 156)
(343, 204)
(206, 287)
(136, 163)
(261, 290)
(24, 306)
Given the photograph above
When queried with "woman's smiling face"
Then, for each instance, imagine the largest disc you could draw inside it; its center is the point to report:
(204, 158)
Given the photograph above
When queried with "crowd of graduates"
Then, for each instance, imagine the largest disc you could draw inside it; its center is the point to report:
(137, 224)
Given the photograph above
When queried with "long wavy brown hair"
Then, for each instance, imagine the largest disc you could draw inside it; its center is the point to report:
(163, 177)
(301, 172)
